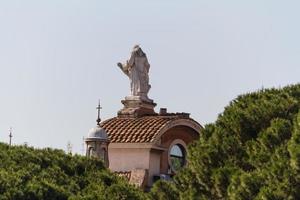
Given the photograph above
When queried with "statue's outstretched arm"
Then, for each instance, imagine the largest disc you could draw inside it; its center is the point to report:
(129, 64)
(124, 68)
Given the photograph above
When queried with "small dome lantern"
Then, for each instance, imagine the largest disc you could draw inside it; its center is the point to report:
(97, 141)
(97, 133)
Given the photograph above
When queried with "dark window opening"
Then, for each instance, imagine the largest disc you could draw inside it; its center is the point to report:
(177, 157)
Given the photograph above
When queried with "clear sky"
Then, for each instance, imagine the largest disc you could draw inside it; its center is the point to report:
(58, 57)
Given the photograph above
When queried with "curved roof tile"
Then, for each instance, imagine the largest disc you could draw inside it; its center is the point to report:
(138, 130)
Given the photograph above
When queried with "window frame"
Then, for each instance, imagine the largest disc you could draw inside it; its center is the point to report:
(181, 144)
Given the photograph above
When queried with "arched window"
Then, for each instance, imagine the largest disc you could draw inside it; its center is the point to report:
(103, 154)
(91, 152)
(177, 157)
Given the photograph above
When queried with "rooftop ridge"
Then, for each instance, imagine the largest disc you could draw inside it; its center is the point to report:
(142, 129)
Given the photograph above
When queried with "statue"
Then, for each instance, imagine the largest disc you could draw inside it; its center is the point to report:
(137, 69)
(137, 104)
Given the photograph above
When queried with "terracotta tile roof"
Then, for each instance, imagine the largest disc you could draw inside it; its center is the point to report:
(137, 130)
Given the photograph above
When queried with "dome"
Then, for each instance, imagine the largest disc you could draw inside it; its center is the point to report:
(97, 133)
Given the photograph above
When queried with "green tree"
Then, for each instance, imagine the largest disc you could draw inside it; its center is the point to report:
(46, 174)
(252, 151)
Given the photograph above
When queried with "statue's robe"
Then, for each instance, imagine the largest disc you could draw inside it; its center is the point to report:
(138, 68)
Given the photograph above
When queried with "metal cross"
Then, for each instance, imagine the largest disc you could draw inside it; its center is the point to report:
(98, 119)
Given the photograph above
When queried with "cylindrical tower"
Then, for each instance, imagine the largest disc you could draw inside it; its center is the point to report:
(97, 142)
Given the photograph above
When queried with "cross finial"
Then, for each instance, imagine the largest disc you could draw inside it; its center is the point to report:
(10, 135)
(98, 108)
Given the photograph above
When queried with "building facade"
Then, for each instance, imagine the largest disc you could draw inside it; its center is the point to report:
(140, 144)
(154, 143)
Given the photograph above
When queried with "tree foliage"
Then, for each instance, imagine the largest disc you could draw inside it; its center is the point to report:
(252, 151)
(31, 174)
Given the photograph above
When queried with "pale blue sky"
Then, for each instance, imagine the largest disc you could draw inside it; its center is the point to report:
(58, 57)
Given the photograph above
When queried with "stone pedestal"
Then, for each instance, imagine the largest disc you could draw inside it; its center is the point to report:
(135, 106)
(139, 178)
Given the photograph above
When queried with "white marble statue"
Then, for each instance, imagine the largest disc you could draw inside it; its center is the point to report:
(137, 69)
